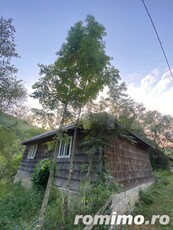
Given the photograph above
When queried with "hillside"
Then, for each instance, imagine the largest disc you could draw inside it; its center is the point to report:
(13, 131)
(21, 128)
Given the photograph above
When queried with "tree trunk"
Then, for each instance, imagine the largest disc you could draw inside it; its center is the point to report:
(51, 175)
(71, 170)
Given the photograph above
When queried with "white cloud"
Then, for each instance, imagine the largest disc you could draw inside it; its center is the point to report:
(162, 85)
(33, 103)
(154, 92)
(149, 80)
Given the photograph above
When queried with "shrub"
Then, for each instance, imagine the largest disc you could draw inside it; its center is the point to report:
(8, 169)
(41, 174)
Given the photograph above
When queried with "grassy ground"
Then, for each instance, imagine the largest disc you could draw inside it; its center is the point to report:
(157, 200)
(18, 207)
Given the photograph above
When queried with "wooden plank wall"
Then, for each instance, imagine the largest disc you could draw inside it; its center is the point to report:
(28, 165)
(129, 164)
(81, 163)
(80, 166)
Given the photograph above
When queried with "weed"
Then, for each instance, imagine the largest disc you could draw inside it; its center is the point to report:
(18, 206)
(146, 197)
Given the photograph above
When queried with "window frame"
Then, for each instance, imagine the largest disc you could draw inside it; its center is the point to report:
(31, 155)
(64, 148)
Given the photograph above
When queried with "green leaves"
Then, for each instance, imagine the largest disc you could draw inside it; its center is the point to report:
(18, 207)
(99, 128)
(7, 46)
(159, 129)
(80, 71)
(9, 147)
(41, 174)
(11, 89)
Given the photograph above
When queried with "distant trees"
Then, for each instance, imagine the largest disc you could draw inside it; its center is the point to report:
(12, 93)
(134, 116)
(12, 90)
(12, 131)
(159, 128)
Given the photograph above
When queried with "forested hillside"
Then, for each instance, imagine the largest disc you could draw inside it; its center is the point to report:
(21, 128)
(13, 130)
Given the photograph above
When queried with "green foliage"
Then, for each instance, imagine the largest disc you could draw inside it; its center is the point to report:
(54, 213)
(100, 191)
(90, 199)
(12, 131)
(99, 128)
(9, 169)
(12, 90)
(146, 197)
(16, 161)
(159, 128)
(21, 128)
(158, 159)
(151, 126)
(84, 61)
(161, 178)
(81, 70)
(47, 119)
(41, 174)
(162, 202)
(18, 207)
(9, 150)
(50, 145)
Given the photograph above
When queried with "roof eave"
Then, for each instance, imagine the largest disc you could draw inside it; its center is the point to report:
(45, 135)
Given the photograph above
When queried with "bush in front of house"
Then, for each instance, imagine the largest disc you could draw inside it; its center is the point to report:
(41, 174)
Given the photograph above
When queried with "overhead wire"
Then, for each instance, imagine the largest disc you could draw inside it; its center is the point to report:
(152, 22)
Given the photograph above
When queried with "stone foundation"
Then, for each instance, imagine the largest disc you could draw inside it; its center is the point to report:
(24, 178)
(124, 202)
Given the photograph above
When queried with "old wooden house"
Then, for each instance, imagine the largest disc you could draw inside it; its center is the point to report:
(128, 163)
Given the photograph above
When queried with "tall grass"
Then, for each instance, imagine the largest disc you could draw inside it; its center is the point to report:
(18, 207)
(156, 200)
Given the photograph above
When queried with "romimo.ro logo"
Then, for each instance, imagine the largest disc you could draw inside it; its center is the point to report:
(115, 219)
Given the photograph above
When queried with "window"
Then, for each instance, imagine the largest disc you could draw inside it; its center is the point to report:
(32, 151)
(65, 148)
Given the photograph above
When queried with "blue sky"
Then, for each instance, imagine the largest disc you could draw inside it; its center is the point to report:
(42, 25)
